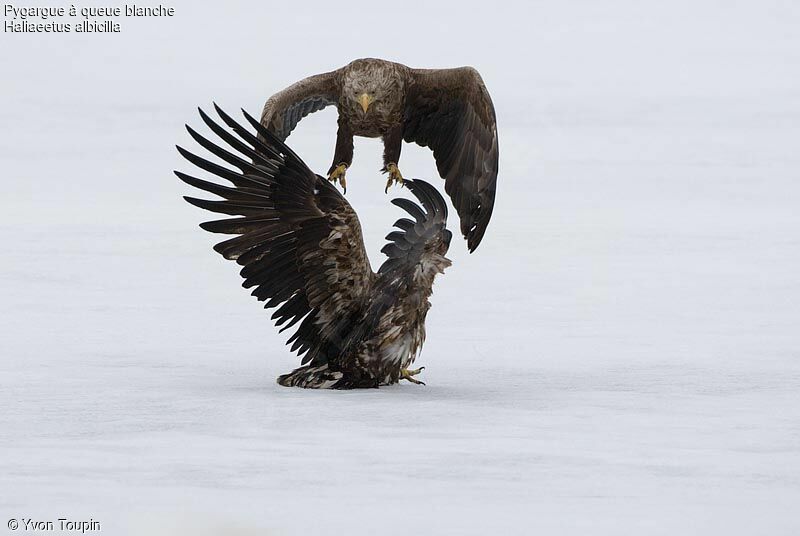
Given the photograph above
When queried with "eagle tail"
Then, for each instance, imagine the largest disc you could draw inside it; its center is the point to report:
(311, 377)
(322, 377)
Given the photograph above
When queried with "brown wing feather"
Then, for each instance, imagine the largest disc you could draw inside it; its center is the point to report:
(286, 108)
(298, 240)
(418, 243)
(450, 111)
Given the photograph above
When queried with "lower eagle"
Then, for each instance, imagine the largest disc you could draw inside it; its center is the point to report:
(300, 245)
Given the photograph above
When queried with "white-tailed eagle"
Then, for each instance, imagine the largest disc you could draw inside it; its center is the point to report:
(300, 246)
(448, 110)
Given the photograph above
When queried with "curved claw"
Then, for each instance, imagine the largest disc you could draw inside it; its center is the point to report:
(406, 374)
(338, 174)
(394, 176)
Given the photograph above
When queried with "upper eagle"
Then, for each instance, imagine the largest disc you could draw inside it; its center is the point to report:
(448, 110)
(300, 246)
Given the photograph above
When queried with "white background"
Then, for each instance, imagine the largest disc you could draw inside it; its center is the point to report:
(619, 356)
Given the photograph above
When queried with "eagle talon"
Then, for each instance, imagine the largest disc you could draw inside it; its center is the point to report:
(406, 374)
(338, 174)
(394, 176)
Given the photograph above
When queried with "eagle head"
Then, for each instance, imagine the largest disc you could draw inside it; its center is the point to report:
(370, 85)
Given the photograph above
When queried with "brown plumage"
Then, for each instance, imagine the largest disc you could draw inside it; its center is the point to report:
(300, 246)
(448, 110)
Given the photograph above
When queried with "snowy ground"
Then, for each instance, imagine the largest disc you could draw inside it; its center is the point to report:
(620, 356)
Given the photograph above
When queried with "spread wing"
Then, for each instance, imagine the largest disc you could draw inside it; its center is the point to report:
(286, 108)
(422, 242)
(450, 111)
(297, 239)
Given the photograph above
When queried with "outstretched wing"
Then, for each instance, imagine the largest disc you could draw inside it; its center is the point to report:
(450, 111)
(298, 240)
(422, 242)
(286, 108)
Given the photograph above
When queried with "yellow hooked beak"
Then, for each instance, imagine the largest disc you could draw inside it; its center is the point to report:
(365, 100)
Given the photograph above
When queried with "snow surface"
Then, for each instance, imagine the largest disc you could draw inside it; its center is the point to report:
(620, 356)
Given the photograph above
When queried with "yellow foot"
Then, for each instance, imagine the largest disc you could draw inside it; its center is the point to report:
(406, 374)
(338, 174)
(394, 176)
